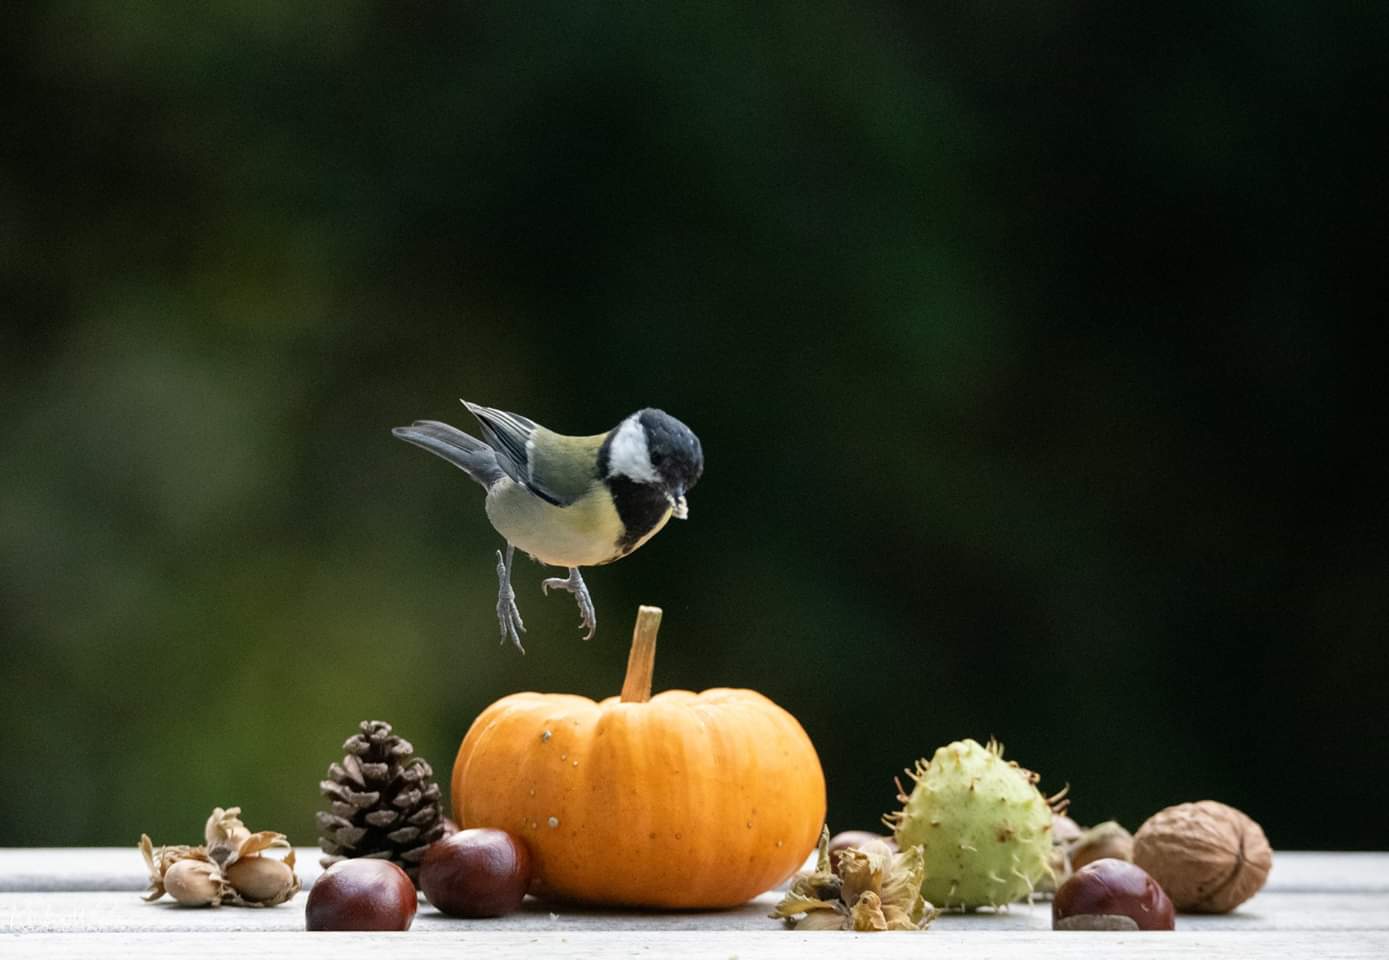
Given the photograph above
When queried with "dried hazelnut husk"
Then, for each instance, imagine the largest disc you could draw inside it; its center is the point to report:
(1064, 832)
(225, 834)
(158, 862)
(195, 883)
(263, 881)
(1111, 894)
(1208, 856)
(877, 888)
(230, 868)
(854, 838)
(259, 880)
(1106, 840)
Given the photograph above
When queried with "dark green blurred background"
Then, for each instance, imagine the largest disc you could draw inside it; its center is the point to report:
(1019, 338)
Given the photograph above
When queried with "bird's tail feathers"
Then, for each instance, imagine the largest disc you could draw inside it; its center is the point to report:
(468, 453)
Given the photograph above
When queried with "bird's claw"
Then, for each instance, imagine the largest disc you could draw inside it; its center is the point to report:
(508, 617)
(574, 584)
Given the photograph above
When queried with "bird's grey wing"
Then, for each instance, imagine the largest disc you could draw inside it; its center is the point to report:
(468, 453)
(510, 435)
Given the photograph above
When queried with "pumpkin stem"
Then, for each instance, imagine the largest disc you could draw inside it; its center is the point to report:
(642, 660)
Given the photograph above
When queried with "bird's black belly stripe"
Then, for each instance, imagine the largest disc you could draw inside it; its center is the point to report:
(640, 507)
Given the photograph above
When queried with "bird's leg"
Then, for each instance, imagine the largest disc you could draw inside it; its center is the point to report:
(574, 583)
(508, 617)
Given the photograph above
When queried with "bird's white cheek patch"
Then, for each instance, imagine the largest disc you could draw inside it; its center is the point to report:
(629, 456)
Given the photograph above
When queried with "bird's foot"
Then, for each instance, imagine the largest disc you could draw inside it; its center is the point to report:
(508, 617)
(574, 583)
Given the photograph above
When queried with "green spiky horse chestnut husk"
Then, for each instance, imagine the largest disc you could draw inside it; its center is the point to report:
(983, 825)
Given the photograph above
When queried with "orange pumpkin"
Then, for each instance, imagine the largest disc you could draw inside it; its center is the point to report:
(682, 800)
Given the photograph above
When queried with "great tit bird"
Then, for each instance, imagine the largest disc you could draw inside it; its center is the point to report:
(569, 501)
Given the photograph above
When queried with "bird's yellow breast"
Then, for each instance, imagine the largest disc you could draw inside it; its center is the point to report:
(583, 534)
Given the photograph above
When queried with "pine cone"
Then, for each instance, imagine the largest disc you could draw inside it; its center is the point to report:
(383, 802)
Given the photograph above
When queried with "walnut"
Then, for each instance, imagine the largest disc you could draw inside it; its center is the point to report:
(1209, 857)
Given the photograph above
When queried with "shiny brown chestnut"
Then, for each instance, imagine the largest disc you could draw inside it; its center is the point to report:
(1111, 894)
(361, 894)
(479, 872)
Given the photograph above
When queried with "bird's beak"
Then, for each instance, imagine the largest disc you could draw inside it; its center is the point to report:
(680, 509)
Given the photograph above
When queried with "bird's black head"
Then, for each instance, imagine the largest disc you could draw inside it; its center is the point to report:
(651, 459)
(674, 451)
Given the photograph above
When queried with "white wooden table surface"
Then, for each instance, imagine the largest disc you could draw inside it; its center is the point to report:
(62, 902)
